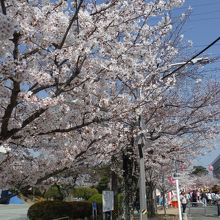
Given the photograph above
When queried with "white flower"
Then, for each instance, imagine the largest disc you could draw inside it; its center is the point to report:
(6, 27)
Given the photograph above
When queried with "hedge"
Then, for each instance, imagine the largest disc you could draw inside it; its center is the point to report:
(84, 192)
(48, 210)
(54, 193)
(96, 198)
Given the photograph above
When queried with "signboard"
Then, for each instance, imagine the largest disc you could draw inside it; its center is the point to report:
(177, 176)
(107, 201)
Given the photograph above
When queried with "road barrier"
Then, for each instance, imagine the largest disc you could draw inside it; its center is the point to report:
(197, 205)
(62, 218)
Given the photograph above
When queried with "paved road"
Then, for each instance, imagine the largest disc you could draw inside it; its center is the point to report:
(19, 212)
(203, 213)
(13, 212)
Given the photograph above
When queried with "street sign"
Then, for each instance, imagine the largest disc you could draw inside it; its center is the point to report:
(177, 176)
(107, 201)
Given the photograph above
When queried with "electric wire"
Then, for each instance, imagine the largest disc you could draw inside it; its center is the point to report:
(195, 56)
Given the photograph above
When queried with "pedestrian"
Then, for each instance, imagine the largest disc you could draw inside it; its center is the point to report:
(218, 205)
(194, 198)
(204, 198)
(209, 198)
(183, 200)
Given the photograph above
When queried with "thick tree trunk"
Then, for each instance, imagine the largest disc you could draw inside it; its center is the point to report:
(130, 181)
(164, 202)
(127, 167)
(114, 188)
(151, 206)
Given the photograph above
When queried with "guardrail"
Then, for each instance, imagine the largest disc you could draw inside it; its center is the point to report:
(62, 218)
(196, 205)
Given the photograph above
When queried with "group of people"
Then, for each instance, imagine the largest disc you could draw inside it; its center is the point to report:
(195, 197)
(206, 198)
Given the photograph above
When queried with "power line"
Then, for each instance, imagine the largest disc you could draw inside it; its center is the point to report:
(202, 51)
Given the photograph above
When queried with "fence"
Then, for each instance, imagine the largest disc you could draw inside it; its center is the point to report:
(62, 218)
(199, 209)
(198, 206)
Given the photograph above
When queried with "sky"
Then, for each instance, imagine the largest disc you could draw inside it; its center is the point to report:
(203, 27)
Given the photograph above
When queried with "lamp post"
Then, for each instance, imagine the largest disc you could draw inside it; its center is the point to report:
(142, 178)
(197, 60)
(142, 189)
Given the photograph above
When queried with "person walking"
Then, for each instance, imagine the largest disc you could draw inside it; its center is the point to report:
(194, 198)
(204, 198)
(183, 200)
(218, 205)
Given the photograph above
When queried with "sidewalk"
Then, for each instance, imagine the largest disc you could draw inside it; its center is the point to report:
(169, 211)
(13, 212)
(171, 214)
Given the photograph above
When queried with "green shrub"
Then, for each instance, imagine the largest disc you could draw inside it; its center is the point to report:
(84, 192)
(103, 184)
(48, 210)
(54, 192)
(96, 198)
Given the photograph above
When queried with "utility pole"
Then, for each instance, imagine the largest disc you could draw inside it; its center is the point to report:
(176, 176)
(178, 198)
(142, 178)
(141, 143)
(142, 189)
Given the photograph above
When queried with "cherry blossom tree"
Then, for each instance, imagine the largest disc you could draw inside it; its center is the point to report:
(59, 63)
(176, 127)
(74, 75)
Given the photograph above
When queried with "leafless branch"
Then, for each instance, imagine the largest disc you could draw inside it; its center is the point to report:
(70, 24)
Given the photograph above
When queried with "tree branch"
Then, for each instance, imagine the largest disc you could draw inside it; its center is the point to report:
(70, 24)
(9, 109)
(56, 172)
(84, 124)
(3, 7)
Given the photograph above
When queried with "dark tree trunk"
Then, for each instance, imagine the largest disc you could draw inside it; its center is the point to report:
(151, 206)
(164, 202)
(127, 167)
(129, 180)
(114, 187)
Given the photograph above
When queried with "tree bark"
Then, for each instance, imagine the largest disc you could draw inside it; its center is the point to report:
(114, 187)
(130, 181)
(151, 206)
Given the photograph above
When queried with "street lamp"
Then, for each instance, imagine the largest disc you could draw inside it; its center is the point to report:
(197, 60)
(142, 189)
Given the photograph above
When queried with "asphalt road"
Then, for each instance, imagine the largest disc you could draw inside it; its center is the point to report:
(19, 212)
(13, 212)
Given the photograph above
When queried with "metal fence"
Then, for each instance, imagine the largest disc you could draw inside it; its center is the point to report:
(62, 218)
(200, 209)
(197, 207)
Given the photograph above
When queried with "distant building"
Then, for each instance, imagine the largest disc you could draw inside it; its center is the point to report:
(216, 166)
